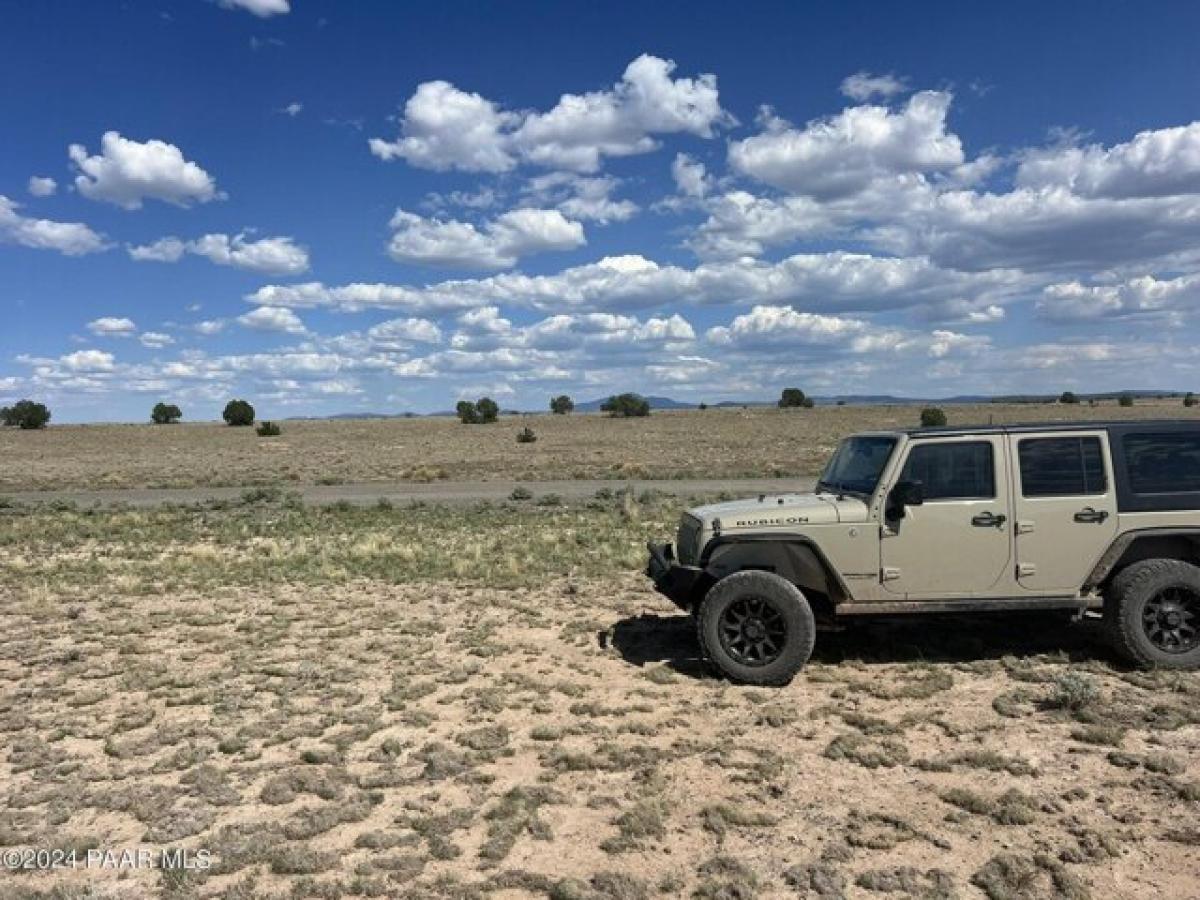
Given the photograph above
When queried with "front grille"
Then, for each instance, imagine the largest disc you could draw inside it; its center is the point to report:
(687, 542)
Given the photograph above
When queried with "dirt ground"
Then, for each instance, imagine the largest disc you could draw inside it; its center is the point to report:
(473, 702)
(714, 443)
(440, 741)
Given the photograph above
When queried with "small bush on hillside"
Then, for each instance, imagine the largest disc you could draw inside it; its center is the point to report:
(165, 414)
(269, 429)
(1125, 400)
(238, 413)
(561, 405)
(626, 406)
(526, 436)
(1068, 397)
(1189, 399)
(932, 417)
(25, 414)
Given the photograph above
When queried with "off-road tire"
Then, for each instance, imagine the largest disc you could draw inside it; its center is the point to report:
(1125, 604)
(782, 607)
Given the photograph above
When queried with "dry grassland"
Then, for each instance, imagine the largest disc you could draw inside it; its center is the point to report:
(451, 704)
(715, 443)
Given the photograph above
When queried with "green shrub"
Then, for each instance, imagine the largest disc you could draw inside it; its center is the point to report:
(1189, 399)
(484, 411)
(467, 413)
(793, 398)
(561, 405)
(1125, 400)
(626, 406)
(526, 436)
(25, 414)
(1074, 691)
(238, 413)
(488, 410)
(1068, 397)
(520, 492)
(269, 429)
(932, 417)
(165, 414)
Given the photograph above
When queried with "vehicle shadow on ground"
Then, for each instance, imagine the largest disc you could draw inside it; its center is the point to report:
(650, 639)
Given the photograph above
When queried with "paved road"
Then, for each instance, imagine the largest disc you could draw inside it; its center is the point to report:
(405, 492)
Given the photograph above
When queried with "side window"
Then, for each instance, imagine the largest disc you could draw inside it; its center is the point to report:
(963, 470)
(1061, 467)
(1163, 463)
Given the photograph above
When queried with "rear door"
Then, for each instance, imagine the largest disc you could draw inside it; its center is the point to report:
(958, 543)
(1065, 505)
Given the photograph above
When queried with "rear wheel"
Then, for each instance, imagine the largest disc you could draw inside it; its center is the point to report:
(756, 627)
(1153, 612)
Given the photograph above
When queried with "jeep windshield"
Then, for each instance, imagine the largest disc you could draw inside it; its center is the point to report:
(856, 465)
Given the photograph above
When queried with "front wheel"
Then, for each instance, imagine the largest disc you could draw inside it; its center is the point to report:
(756, 627)
(1153, 612)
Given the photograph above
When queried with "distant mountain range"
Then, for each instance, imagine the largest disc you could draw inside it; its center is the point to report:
(589, 406)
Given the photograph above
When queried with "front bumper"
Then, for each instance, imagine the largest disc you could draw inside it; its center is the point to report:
(682, 585)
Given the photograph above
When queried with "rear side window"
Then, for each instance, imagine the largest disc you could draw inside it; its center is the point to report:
(1163, 463)
(1061, 467)
(959, 471)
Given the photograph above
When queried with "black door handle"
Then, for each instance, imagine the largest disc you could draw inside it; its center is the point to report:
(1087, 514)
(988, 520)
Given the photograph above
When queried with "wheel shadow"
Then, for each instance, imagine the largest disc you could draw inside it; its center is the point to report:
(650, 639)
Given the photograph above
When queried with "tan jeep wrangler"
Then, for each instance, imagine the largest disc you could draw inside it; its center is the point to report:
(1097, 518)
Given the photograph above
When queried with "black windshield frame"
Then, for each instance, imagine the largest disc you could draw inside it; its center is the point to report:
(858, 464)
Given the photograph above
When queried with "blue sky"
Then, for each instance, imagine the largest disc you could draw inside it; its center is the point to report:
(326, 207)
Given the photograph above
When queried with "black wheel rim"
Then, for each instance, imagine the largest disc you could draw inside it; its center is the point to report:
(752, 631)
(1171, 620)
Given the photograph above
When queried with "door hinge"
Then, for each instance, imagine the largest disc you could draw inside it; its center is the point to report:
(1024, 570)
(889, 574)
(1024, 526)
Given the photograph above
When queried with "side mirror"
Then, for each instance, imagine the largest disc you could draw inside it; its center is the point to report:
(905, 494)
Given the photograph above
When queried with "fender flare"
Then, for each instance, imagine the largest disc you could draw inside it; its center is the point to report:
(839, 591)
(1122, 542)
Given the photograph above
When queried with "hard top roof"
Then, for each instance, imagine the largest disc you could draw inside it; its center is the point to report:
(1026, 427)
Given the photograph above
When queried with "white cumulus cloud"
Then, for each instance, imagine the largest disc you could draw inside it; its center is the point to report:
(445, 128)
(42, 186)
(155, 340)
(262, 8)
(585, 197)
(498, 244)
(69, 238)
(128, 172)
(88, 361)
(448, 128)
(273, 318)
(112, 326)
(1154, 164)
(270, 256)
(843, 155)
(1073, 301)
(862, 86)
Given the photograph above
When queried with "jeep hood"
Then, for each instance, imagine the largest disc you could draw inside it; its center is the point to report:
(781, 511)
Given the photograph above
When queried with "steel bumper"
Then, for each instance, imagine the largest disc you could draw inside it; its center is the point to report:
(678, 583)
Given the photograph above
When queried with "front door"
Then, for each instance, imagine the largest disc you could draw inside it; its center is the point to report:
(958, 542)
(1065, 508)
